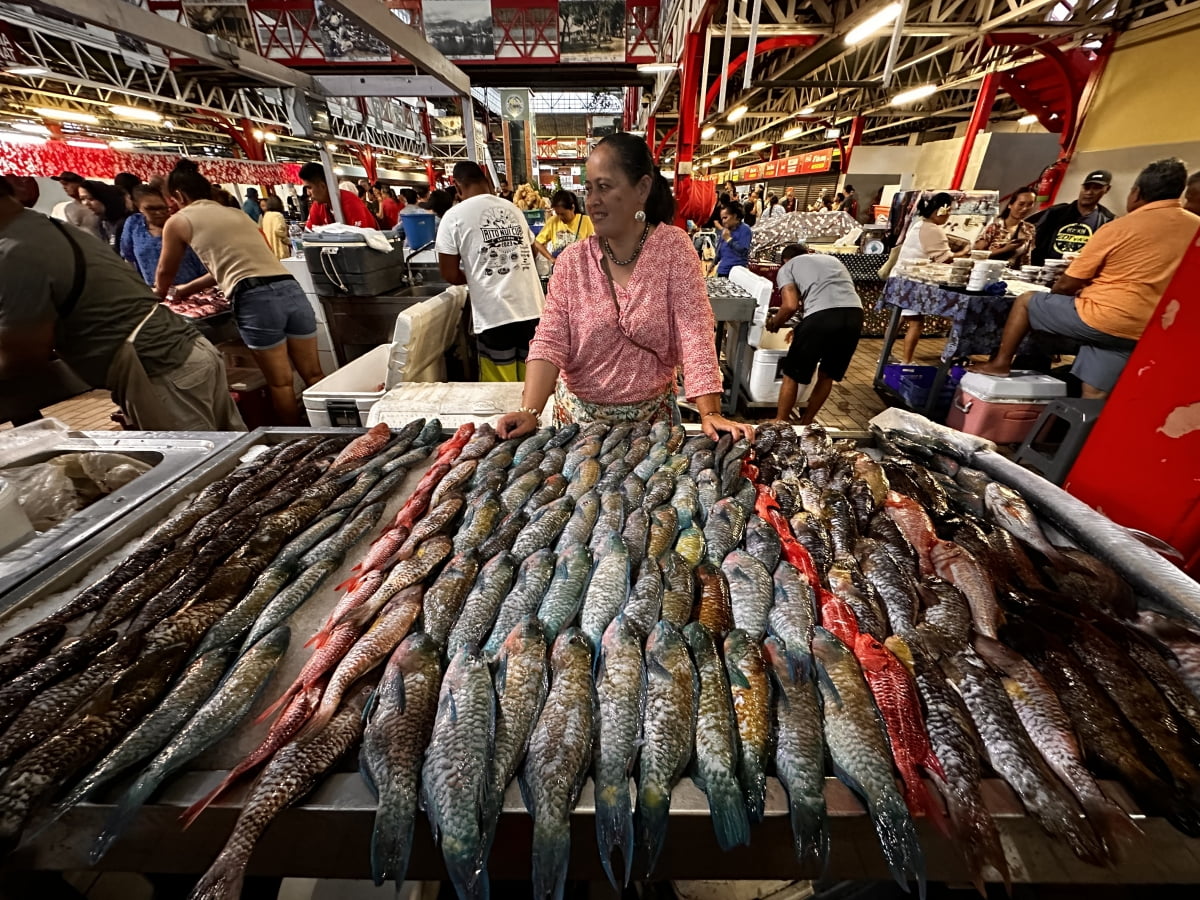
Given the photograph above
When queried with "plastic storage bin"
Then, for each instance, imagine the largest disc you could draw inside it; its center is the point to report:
(1002, 409)
(420, 230)
(913, 383)
(353, 269)
(536, 219)
(346, 397)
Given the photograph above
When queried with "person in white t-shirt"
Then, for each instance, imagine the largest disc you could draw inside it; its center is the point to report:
(485, 243)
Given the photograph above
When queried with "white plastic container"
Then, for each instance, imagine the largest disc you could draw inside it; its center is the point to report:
(14, 524)
(762, 368)
(1002, 409)
(346, 397)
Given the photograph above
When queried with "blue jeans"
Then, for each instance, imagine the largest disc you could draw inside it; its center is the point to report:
(269, 314)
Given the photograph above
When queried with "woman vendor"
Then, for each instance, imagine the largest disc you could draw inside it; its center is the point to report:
(1010, 237)
(625, 308)
(925, 240)
(272, 313)
(141, 240)
(567, 226)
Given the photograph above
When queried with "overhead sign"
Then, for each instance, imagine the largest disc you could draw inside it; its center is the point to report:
(514, 104)
(811, 163)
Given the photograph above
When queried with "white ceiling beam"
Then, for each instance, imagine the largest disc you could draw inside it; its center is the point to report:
(383, 86)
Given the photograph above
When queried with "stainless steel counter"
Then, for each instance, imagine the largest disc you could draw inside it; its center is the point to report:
(172, 454)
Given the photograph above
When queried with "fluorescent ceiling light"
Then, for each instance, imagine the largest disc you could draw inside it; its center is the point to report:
(885, 16)
(14, 138)
(168, 124)
(32, 128)
(917, 93)
(338, 170)
(737, 114)
(259, 134)
(708, 132)
(1027, 120)
(658, 68)
(87, 145)
(733, 154)
(136, 112)
(272, 137)
(121, 145)
(793, 133)
(758, 145)
(28, 70)
(331, 147)
(66, 115)
(808, 110)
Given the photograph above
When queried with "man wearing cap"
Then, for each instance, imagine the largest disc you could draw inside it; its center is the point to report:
(71, 210)
(1110, 291)
(1067, 227)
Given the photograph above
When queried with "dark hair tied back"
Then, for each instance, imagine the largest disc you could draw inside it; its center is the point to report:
(634, 158)
(186, 179)
(930, 205)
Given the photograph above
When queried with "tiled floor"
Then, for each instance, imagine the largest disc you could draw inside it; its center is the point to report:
(850, 406)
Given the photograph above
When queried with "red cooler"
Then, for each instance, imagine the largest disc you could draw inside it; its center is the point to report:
(1002, 409)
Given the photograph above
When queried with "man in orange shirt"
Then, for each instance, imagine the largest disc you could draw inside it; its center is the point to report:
(354, 211)
(1110, 291)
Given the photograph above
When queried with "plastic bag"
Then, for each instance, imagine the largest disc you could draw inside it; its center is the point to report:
(53, 490)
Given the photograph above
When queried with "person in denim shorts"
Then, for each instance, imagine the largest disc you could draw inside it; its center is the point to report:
(273, 314)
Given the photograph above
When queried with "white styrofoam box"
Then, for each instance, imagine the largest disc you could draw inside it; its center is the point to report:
(761, 366)
(324, 338)
(1022, 386)
(298, 268)
(422, 335)
(329, 363)
(755, 285)
(349, 392)
(454, 403)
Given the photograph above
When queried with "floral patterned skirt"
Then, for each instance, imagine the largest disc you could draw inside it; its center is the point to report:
(570, 408)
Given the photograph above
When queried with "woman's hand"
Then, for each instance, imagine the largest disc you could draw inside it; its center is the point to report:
(516, 424)
(713, 426)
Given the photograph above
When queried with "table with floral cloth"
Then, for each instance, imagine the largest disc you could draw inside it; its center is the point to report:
(976, 320)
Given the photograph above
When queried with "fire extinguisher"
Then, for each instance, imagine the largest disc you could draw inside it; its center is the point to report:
(1048, 183)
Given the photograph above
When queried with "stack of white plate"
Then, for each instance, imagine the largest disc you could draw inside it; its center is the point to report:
(984, 272)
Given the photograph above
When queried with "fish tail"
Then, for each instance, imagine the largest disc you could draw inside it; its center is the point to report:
(1114, 827)
(551, 850)
(391, 839)
(653, 811)
(976, 837)
(614, 827)
(754, 787)
(222, 881)
(123, 814)
(285, 697)
(728, 808)
(189, 815)
(898, 840)
(810, 830)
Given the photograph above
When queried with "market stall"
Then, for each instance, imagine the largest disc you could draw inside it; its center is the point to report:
(329, 832)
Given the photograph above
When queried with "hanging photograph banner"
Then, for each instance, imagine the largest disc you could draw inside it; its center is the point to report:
(460, 29)
(525, 30)
(591, 30)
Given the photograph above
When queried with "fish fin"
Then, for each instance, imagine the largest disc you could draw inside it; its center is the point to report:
(453, 704)
(278, 704)
(551, 849)
(1115, 828)
(317, 641)
(127, 807)
(614, 827)
(728, 808)
(368, 779)
(827, 683)
(810, 830)
(349, 584)
(222, 880)
(189, 815)
(320, 718)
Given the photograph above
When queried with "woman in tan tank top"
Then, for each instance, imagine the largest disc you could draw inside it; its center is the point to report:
(273, 314)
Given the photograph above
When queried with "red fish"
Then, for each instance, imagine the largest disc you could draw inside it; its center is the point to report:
(896, 696)
(327, 655)
(418, 503)
(284, 729)
(453, 445)
(839, 618)
(764, 501)
(366, 586)
(912, 520)
(375, 560)
(364, 445)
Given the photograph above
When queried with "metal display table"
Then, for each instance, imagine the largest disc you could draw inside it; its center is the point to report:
(733, 308)
(328, 834)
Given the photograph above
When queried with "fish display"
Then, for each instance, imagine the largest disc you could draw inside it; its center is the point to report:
(627, 604)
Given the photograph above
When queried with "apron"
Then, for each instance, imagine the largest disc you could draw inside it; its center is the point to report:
(569, 408)
(127, 379)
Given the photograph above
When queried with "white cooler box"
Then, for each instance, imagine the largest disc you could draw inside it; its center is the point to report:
(344, 398)
(1002, 409)
(454, 403)
(761, 369)
(422, 334)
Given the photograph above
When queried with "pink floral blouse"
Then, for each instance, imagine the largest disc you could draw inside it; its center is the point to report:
(664, 307)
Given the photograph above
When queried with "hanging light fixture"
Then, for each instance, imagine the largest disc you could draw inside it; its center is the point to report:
(708, 132)
(738, 112)
(66, 115)
(917, 93)
(758, 145)
(136, 113)
(869, 27)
